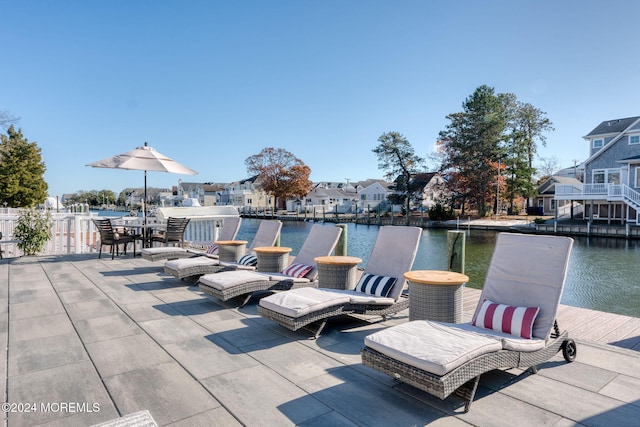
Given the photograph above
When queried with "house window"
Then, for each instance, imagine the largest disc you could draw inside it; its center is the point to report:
(598, 143)
(634, 139)
(637, 177)
(609, 176)
(598, 176)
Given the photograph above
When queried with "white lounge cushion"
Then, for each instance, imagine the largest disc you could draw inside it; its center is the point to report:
(236, 266)
(431, 346)
(280, 276)
(509, 342)
(362, 298)
(162, 250)
(228, 279)
(302, 301)
(178, 264)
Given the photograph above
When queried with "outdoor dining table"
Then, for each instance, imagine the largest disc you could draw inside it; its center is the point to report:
(144, 231)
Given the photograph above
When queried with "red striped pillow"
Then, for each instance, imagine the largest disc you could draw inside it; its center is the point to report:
(212, 250)
(517, 321)
(297, 270)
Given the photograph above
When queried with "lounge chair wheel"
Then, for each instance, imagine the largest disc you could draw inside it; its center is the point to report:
(569, 350)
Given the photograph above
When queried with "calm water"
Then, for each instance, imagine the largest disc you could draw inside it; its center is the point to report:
(604, 274)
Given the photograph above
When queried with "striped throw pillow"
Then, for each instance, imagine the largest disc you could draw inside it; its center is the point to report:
(297, 270)
(516, 321)
(372, 284)
(249, 260)
(212, 250)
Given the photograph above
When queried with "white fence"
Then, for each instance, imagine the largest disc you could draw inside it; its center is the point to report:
(76, 233)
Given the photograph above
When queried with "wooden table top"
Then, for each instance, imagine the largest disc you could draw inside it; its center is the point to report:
(337, 260)
(231, 242)
(436, 277)
(273, 250)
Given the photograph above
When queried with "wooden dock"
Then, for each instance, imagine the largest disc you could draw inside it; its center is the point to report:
(583, 324)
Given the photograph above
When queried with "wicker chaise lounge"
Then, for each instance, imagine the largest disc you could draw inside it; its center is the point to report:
(513, 325)
(379, 291)
(267, 235)
(301, 272)
(228, 231)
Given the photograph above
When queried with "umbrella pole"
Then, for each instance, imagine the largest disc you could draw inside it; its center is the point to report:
(144, 202)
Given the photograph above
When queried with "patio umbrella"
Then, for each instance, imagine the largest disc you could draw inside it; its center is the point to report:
(143, 158)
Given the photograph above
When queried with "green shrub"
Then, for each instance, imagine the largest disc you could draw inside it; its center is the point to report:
(440, 212)
(33, 230)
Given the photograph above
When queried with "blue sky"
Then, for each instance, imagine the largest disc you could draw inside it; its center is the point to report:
(210, 83)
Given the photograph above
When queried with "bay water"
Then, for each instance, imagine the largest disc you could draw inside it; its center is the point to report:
(604, 273)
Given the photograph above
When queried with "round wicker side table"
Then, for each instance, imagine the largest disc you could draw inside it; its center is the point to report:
(436, 295)
(272, 259)
(231, 250)
(337, 272)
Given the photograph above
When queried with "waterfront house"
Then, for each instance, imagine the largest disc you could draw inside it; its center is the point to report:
(248, 194)
(546, 202)
(373, 193)
(429, 188)
(327, 197)
(611, 188)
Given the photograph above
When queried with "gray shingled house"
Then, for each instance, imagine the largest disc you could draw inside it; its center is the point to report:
(611, 188)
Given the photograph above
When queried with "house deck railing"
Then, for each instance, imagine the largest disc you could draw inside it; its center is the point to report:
(611, 192)
(76, 233)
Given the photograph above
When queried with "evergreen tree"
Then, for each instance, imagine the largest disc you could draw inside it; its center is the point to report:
(527, 126)
(22, 169)
(471, 145)
(397, 157)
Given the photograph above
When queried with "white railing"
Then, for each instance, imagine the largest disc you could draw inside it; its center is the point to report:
(567, 190)
(594, 189)
(583, 190)
(631, 195)
(73, 234)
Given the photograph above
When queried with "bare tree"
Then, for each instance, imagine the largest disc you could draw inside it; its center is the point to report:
(7, 119)
(547, 167)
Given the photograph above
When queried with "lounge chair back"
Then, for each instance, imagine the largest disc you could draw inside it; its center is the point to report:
(267, 234)
(529, 271)
(393, 254)
(321, 241)
(229, 229)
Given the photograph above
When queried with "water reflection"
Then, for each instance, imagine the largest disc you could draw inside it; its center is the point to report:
(604, 274)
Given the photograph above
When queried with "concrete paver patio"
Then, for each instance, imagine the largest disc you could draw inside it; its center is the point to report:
(91, 340)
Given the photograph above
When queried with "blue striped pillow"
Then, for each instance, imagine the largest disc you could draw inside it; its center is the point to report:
(379, 286)
(249, 260)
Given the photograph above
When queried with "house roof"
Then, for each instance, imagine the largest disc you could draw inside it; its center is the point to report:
(632, 159)
(612, 126)
(620, 124)
(548, 186)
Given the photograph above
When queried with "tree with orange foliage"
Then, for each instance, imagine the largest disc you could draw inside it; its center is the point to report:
(281, 173)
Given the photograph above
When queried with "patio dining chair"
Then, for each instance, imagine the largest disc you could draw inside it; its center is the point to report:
(228, 231)
(513, 325)
(113, 238)
(173, 234)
